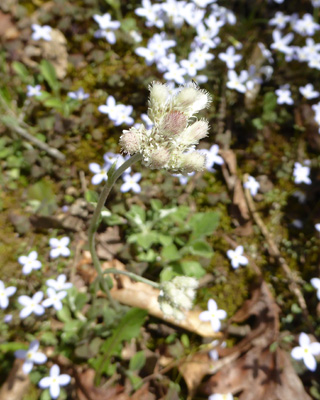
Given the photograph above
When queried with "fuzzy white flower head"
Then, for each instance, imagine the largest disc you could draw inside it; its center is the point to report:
(170, 142)
(177, 295)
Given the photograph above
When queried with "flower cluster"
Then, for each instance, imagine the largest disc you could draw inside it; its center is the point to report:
(106, 27)
(118, 113)
(171, 141)
(177, 296)
(176, 13)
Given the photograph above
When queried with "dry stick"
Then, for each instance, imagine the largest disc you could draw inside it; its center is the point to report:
(43, 146)
(222, 110)
(274, 251)
(16, 127)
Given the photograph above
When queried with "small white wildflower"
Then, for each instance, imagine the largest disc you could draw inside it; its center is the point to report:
(5, 293)
(213, 315)
(78, 94)
(31, 356)
(131, 183)
(301, 174)
(236, 257)
(284, 96)
(306, 351)
(54, 299)
(33, 90)
(59, 284)
(59, 247)
(54, 381)
(219, 396)
(7, 318)
(31, 305)
(100, 174)
(41, 32)
(308, 91)
(315, 282)
(213, 354)
(252, 184)
(29, 262)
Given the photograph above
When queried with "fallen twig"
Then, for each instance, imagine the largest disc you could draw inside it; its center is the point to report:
(12, 122)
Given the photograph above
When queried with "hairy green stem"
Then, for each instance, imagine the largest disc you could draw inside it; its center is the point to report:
(96, 219)
(132, 275)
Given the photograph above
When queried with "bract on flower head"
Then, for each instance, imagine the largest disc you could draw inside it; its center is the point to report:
(170, 142)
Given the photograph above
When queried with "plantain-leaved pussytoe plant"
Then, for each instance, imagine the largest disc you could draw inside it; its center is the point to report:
(169, 144)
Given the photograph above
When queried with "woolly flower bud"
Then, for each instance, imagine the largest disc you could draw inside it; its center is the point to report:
(170, 311)
(159, 94)
(194, 133)
(173, 123)
(186, 282)
(192, 99)
(130, 141)
(194, 161)
(177, 295)
(159, 158)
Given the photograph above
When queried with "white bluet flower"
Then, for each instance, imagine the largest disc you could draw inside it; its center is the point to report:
(237, 258)
(306, 351)
(213, 315)
(31, 356)
(31, 305)
(54, 381)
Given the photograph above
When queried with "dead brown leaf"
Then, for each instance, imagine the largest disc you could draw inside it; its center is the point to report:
(86, 390)
(194, 370)
(138, 294)
(54, 51)
(258, 373)
(8, 30)
(16, 385)
(143, 394)
(141, 295)
(109, 243)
